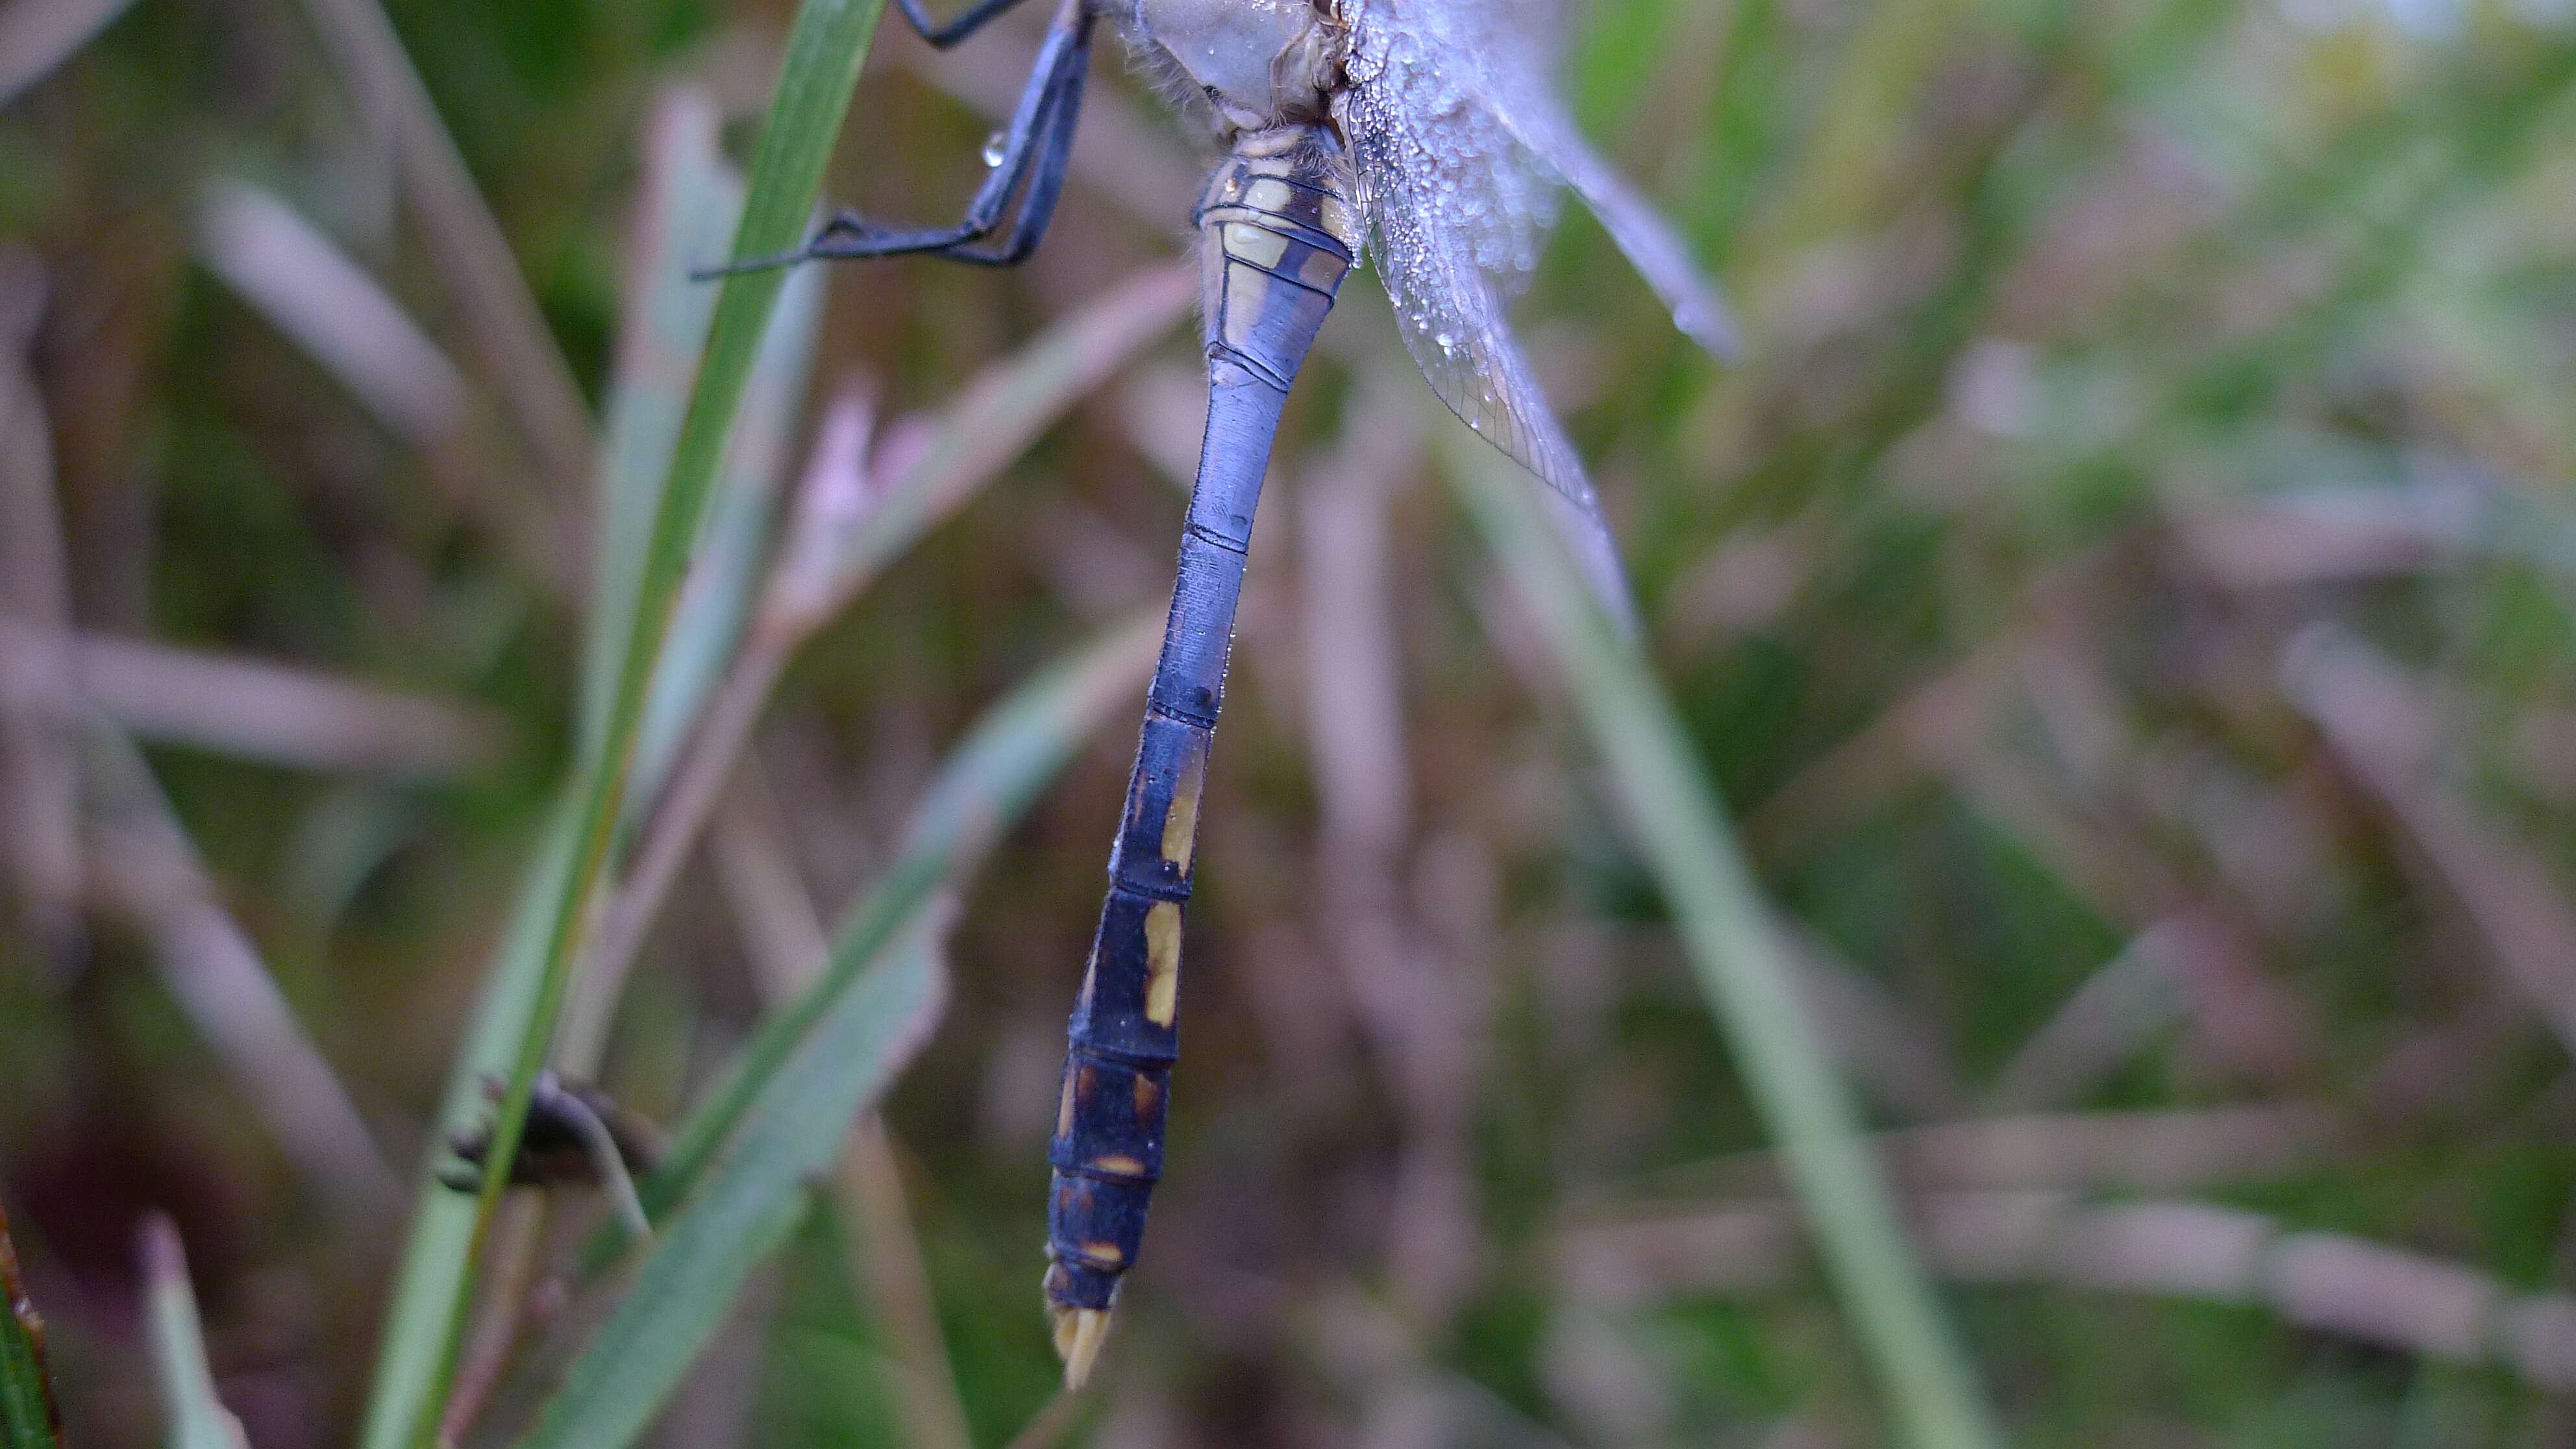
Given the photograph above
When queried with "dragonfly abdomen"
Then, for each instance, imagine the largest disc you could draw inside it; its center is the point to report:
(1279, 236)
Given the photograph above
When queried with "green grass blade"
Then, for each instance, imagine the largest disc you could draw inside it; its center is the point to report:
(1671, 808)
(795, 1131)
(824, 54)
(408, 1384)
(198, 1420)
(987, 784)
(692, 201)
(27, 1416)
(727, 574)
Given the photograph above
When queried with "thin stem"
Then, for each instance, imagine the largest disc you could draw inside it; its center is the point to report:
(824, 54)
(697, 782)
(790, 952)
(1672, 810)
(513, 1266)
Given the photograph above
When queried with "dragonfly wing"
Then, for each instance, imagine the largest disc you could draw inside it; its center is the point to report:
(1632, 221)
(1457, 204)
(1451, 328)
(1497, 55)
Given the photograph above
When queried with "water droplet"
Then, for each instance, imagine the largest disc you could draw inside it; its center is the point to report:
(996, 148)
(1477, 423)
(1448, 345)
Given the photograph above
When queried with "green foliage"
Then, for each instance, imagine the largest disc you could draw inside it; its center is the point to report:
(2097, 351)
(821, 68)
(1734, 945)
(794, 1130)
(28, 1419)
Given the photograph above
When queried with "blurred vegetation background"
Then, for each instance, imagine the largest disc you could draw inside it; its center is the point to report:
(2124, 589)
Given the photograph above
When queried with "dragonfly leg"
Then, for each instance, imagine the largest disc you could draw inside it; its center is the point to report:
(975, 17)
(1034, 149)
(1027, 225)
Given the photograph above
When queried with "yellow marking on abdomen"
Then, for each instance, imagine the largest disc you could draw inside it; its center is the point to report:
(1162, 962)
(1181, 821)
(1253, 244)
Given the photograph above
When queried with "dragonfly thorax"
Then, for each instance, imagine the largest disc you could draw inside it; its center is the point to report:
(1260, 63)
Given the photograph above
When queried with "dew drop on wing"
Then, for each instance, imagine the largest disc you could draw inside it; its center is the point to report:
(996, 149)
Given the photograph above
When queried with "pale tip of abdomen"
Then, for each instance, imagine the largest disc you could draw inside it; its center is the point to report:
(1079, 1334)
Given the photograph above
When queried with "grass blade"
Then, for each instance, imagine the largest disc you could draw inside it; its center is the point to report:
(410, 1366)
(844, 529)
(997, 418)
(465, 240)
(727, 575)
(987, 784)
(1671, 808)
(690, 203)
(28, 1419)
(705, 639)
(824, 54)
(198, 1420)
(795, 1131)
(696, 200)
(148, 866)
(294, 275)
(38, 35)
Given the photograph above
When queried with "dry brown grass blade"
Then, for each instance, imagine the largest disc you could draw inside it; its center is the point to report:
(197, 1417)
(38, 35)
(978, 435)
(1425, 1010)
(304, 285)
(39, 763)
(1921, 736)
(465, 240)
(1942, 730)
(246, 708)
(1049, 1426)
(835, 477)
(2327, 1282)
(314, 293)
(143, 865)
(141, 861)
(2174, 1150)
(2390, 738)
(2119, 1008)
(509, 1270)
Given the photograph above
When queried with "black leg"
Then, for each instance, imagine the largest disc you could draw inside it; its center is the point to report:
(1035, 147)
(1010, 243)
(975, 17)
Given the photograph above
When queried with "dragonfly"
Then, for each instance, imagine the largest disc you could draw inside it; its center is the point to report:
(1422, 128)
